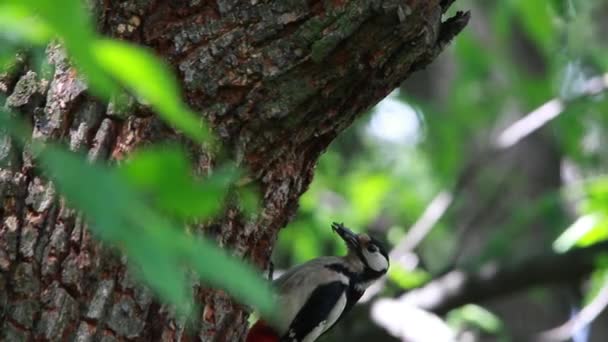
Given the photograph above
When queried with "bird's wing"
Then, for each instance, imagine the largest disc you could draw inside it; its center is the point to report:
(322, 309)
(295, 287)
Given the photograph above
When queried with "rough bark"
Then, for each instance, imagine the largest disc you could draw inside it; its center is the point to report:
(277, 81)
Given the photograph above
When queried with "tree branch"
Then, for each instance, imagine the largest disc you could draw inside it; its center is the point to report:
(459, 287)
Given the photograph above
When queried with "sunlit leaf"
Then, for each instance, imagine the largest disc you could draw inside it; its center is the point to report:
(407, 279)
(7, 59)
(76, 32)
(597, 195)
(583, 226)
(119, 216)
(17, 24)
(138, 69)
(592, 227)
(150, 79)
(477, 316)
(107, 200)
(597, 234)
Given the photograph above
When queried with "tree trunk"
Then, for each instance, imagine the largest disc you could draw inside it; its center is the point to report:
(277, 81)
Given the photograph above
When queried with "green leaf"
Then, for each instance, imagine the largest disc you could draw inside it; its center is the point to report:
(597, 234)
(164, 174)
(367, 196)
(138, 69)
(12, 127)
(407, 279)
(592, 227)
(598, 279)
(17, 24)
(119, 216)
(150, 79)
(108, 202)
(538, 20)
(230, 274)
(477, 316)
(249, 199)
(597, 195)
(69, 20)
(583, 226)
(154, 261)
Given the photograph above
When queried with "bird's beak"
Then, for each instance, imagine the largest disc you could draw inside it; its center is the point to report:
(351, 239)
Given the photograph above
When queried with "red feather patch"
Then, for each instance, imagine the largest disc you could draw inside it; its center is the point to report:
(261, 332)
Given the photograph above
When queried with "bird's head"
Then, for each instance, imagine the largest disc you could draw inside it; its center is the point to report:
(365, 248)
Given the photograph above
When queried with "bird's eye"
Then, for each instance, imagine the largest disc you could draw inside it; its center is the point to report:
(372, 248)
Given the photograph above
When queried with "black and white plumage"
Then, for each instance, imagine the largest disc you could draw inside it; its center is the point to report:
(313, 296)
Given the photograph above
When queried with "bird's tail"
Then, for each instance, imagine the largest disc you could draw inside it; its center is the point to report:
(262, 332)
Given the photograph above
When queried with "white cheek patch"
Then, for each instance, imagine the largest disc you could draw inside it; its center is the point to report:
(376, 260)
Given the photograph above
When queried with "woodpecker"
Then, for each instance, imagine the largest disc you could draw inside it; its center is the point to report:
(314, 296)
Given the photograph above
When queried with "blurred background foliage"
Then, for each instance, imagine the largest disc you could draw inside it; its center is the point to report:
(438, 134)
(429, 155)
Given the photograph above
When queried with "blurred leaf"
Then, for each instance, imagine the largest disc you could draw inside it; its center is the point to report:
(17, 24)
(585, 227)
(597, 195)
(476, 66)
(395, 234)
(117, 215)
(155, 262)
(249, 199)
(597, 234)
(592, 227)
(151, 80)
(163, 252)
(11, 127)
(108, 202)
(538, 20)
(477, 316)
(212, 264)
(302, 241)
(598, 279)
(367, 196)
(77, 34)
(164, 174)
(570, 130)
(138, 69)
(407, 279)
